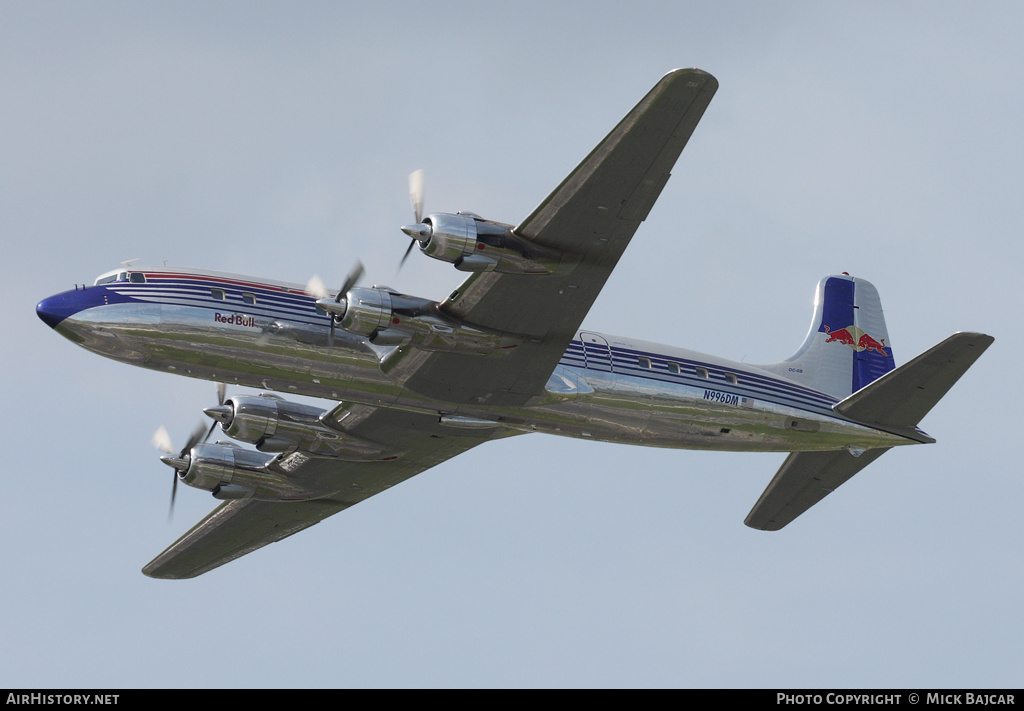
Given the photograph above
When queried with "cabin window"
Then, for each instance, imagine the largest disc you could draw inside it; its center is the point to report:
(702, 372)
(731, 377)
(673, 368)
(644, 362)
(249, 299)
(137, 278)
(218, 294)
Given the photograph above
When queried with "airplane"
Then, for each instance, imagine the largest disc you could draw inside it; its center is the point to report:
(416, 382)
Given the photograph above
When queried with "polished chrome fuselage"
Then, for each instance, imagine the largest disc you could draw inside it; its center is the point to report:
(270, 335)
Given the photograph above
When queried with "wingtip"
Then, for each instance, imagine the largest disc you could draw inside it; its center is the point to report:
(154, 571)
(684, 70)
(680, 72)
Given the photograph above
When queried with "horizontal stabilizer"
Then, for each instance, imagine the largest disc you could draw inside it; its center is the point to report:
(804, 479)
(896, 402)
(900, 399)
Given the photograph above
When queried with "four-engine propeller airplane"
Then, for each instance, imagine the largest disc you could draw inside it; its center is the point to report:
(418, 382)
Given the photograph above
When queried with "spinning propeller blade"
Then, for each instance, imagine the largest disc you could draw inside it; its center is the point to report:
(416, 193)
(179, 461)
(419, 230)
(315, 287)
(353, 277)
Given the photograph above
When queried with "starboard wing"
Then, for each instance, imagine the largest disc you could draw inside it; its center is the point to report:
(414, 442)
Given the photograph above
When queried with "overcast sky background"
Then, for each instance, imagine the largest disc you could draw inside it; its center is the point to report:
(275, 140)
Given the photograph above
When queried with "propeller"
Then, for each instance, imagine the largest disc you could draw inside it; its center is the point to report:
(315, 287)
(416, 193)
(353, 276)
(419, 232)
(179, 461)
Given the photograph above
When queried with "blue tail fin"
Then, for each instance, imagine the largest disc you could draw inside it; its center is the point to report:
(848, 345)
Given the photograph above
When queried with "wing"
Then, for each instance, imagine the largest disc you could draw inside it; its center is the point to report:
(589, 219)
(239, 527)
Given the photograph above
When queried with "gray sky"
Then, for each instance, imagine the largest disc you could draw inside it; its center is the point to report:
(276, 139)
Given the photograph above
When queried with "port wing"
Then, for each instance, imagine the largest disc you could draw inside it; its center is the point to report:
(589, 219)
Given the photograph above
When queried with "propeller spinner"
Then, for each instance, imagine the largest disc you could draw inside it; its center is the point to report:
(179, 461)
(334, 307)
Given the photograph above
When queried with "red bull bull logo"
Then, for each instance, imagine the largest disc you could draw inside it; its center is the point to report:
(856, 339)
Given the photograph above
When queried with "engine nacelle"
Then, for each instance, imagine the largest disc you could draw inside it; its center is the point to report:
(366, 311)
(271, 423)
(213, 466)
(474, 244)
(277, 425)
(387, 318)
(452, 237)
(231, 472)
(250, 419)
(261, 419)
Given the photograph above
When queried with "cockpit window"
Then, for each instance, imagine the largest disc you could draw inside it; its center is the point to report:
(112, 277)
(137, 278)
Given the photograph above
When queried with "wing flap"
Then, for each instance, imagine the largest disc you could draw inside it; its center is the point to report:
(804, 479)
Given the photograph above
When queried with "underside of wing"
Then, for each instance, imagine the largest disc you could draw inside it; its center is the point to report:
(234, 529)
(413, 442)
(589, 220)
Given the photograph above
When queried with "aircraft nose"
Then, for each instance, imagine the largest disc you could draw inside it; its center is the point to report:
(55, 309)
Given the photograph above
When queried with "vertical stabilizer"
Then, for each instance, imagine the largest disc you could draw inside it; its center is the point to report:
(847, 346)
